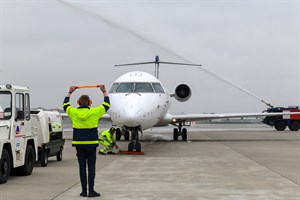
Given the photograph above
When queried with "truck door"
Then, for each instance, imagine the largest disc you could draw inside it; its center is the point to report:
(22, 123)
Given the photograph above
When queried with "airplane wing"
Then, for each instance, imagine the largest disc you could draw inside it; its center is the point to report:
(171, 119)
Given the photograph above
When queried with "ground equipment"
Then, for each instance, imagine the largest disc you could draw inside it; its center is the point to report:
(280, 122)
(50, 134)
(25, 136)
(18, 141)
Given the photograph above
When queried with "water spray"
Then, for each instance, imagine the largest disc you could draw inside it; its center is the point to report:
(151, 42)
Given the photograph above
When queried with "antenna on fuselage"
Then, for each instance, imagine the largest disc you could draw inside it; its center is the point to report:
(157, 62)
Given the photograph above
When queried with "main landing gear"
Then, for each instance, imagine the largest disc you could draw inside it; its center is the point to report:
(179, 131)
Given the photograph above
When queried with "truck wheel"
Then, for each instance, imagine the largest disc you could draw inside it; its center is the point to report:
(44, 158)
(4, 166)
(294, 126)
(280, 125)
(27, 168)
(59, 155)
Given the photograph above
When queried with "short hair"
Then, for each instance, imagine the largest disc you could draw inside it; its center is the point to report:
(84, 100)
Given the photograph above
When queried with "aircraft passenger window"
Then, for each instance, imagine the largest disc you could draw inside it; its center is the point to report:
(125, 87)
(143, 87)
(157, 87)
(113, 88)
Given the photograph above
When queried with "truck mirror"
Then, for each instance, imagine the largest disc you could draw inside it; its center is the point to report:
(7, 113)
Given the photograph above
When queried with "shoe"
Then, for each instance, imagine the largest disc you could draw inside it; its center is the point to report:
(83, 194)
(94, 194)
(102, 153)
(111, 153)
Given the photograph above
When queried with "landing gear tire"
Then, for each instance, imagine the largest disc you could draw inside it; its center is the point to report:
(4, 166)
(126, 135)
(280, 125)
(184, 134)
(118, 134)
(27, 168)
(175, 134)
(294, 126)
(138, 147)
(134, 145)
(130, 147)
(44, 158)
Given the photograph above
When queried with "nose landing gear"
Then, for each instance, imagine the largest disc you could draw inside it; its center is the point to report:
(135, 144)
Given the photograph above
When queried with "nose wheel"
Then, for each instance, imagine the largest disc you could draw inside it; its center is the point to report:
(134, 145)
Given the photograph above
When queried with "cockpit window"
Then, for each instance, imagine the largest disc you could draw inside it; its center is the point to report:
(113, 88)
(125, 87)
(136, 87)
(143, 87)
(157, 87)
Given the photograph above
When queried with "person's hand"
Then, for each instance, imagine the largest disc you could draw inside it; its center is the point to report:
(72, 89)
(116, 146)
(102, 88)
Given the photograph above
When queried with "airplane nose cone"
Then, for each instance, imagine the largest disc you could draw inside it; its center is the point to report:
(132, 116)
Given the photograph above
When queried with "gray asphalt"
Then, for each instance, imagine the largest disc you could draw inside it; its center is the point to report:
(227, 162)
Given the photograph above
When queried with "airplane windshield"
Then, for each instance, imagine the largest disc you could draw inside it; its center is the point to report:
(157, 87)
(143, 87)
(125, 87)
(113, 88)
(136, 87)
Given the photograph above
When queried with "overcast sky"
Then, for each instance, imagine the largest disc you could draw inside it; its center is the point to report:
(50, 45)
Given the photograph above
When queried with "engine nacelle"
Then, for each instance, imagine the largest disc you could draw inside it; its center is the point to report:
(182, 92)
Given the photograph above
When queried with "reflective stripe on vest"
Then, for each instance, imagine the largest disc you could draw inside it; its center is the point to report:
(106, 104)
(86, 142)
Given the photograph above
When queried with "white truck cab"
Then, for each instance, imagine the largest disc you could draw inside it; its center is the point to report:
(18, 140)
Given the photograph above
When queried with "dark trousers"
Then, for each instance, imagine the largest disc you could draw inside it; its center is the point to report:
(87, 156)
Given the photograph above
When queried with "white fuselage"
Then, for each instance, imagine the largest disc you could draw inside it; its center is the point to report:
(138, 99)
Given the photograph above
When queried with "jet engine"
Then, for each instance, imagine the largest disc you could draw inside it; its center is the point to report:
(182, 92)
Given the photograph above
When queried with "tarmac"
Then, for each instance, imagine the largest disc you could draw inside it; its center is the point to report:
(218, 162)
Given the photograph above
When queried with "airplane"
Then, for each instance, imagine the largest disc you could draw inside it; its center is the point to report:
(139, 101)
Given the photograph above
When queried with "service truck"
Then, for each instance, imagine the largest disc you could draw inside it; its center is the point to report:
(22, 141)
(280, 122)
(50, 134)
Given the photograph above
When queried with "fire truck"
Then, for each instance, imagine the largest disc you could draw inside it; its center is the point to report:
(280, 122)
